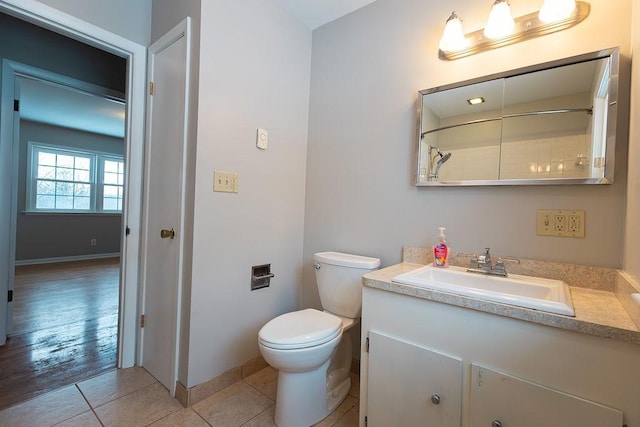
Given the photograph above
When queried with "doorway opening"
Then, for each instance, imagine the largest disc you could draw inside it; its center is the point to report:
(66, 315)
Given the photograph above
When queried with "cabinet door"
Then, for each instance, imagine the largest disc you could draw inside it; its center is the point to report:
(499, 399)
(409, 385)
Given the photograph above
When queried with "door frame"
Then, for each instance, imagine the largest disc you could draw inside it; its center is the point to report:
(135, 54)
(181, 31)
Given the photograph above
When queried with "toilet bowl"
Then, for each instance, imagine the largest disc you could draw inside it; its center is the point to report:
(311, 348)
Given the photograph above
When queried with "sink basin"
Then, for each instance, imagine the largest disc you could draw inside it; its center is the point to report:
(523, 291)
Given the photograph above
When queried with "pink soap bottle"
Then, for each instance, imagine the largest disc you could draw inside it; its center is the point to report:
(441, 251)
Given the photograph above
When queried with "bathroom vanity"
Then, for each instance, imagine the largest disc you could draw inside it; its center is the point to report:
(439, 359)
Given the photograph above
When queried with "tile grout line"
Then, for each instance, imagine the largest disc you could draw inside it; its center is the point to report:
(91, 408)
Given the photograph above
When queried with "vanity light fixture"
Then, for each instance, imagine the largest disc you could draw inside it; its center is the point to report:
(475, 101)
(503, 30)
(500, 23)
(453, 36)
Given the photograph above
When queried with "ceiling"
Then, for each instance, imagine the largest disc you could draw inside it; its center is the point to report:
(60, 106)
(315, 13)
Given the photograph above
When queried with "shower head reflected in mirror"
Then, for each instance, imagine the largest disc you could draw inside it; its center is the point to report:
(442, 158)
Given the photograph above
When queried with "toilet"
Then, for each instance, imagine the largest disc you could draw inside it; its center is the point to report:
(312, 348)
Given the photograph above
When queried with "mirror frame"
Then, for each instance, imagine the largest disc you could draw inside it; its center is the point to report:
(612, 118)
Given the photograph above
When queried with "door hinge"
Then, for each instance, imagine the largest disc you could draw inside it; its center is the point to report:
(142, 320)
(10, 295)
(127, 231)
(151, 88)
(366, 421)
(366, 344)
(16, 105)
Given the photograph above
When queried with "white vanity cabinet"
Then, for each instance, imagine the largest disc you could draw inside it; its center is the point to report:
(501, 400)
(485, 370)
(431, 395)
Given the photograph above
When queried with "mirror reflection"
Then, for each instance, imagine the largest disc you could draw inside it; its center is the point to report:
(550, 124)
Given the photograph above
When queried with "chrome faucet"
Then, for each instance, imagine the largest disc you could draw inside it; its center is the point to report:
(482, 264)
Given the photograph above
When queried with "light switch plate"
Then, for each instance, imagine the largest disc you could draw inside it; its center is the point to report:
(560, 223)
(226, 182)
(262, 139)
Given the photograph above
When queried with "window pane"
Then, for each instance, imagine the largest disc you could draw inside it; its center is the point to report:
(46, 172)
(82, 190)
(83, 163)
(109, 204)
(82, 176)
(110, 178)
(45, 188)
(45, 202)
(64, 174)
(111, 166)
(64, 189)
(82, 203)
(65, 161)
(48, 159)
(64, 202)
(111, 191)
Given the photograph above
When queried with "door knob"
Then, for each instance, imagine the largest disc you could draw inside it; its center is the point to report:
(165, 234)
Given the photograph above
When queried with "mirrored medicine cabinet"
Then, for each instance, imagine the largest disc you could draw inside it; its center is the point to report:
(553, 123)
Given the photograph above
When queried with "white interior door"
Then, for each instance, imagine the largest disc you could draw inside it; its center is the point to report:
(164, 199)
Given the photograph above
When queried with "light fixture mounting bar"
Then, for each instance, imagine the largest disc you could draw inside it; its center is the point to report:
(527, 27)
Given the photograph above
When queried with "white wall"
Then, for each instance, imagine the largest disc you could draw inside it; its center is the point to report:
(366, 70)
(632, 232)
(129, 19)
(254, 73)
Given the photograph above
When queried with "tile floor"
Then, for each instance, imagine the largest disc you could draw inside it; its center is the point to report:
(132, 397)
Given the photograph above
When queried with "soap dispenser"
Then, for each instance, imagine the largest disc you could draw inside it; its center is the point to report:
(441, 251)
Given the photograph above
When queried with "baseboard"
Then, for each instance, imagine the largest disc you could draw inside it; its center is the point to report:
(65, 259)
(189, 396)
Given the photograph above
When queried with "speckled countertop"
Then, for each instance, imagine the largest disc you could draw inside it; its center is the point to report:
(598, 312)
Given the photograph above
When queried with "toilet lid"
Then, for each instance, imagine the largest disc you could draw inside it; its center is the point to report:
(300, 329)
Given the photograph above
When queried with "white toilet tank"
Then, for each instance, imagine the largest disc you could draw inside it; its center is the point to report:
(339, 279)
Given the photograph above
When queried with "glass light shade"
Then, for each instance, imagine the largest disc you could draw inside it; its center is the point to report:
(556, 10)
(453, 37)
(500, 23)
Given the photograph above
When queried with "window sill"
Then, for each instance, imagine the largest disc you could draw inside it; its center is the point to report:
(71, 213)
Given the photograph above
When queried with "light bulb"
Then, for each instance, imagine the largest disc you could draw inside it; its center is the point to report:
(500, 23)
(556, 10)
(453, 36)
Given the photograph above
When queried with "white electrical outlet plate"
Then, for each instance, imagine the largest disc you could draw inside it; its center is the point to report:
(262, 139)
(560, 223)
(226, 182)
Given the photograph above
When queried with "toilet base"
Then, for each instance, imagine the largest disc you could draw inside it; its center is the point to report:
(301, 399)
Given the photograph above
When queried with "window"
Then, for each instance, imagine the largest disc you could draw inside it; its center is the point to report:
(68, 180)
(112, 183)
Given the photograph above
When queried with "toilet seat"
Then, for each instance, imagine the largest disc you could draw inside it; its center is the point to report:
(300, 329)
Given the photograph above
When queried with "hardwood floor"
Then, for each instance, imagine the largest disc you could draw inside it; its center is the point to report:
(65, 327)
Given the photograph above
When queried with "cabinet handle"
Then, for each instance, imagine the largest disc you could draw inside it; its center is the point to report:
(496, 423)
(435, 399)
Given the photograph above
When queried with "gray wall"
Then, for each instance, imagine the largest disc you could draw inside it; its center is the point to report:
(63, 235)
(366, 70)
(255, 69)
(632, 230)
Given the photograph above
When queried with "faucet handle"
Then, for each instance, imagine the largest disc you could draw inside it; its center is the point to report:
(484, 260)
